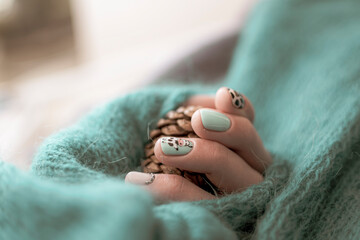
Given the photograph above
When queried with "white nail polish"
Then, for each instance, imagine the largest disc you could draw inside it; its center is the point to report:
(140, 178)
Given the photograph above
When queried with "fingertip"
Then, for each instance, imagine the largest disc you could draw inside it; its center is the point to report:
(158, 151)
(222, 90)
(135, 177)
(194, 119)
(230, 101)
(127, 177)
(196, 124)
(223, 100)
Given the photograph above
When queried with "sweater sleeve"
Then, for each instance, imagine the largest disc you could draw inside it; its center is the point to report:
(106, 209)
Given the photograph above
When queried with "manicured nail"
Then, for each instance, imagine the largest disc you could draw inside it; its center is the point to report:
(213, 120)
(140, 178)
(237, 99)
(176, 146)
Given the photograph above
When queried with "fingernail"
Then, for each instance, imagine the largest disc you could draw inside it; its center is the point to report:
(237, 99)
(140, 178)
(213, 120)
(176, 146)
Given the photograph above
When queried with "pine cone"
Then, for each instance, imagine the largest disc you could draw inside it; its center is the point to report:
(175, 123)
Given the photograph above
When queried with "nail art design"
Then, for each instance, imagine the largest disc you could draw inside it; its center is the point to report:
(151, 179)
(237, 99)
(140, 178)
(214, 121)
(176, 146)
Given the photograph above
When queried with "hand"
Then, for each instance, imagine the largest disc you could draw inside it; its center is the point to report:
(229, 150)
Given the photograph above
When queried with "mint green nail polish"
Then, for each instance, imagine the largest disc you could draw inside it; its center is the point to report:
(215, 121)
(176, 146)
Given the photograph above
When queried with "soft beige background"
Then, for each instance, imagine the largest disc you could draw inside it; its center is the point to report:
(111, 48)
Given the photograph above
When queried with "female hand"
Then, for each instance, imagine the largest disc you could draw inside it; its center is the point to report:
(229, 150)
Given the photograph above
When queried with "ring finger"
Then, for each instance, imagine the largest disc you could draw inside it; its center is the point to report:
(227, 170)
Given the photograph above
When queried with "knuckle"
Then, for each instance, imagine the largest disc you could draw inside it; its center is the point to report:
(247, 127)
(216, 156)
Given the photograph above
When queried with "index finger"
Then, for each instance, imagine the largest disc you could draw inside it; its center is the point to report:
(230, 101)
(226, 100)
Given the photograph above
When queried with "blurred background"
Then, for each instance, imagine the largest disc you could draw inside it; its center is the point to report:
(61, 58)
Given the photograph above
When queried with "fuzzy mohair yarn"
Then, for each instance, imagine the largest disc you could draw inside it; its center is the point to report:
(298, 62)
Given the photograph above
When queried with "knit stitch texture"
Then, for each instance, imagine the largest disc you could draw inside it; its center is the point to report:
(298, 62)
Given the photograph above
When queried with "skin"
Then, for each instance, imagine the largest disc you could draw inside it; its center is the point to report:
(232, 160)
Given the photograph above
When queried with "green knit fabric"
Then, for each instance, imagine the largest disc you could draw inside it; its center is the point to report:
(298, 61)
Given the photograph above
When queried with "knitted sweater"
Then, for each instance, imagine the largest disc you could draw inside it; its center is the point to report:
(298, 62)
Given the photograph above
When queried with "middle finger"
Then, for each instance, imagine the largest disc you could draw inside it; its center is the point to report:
(235, 132)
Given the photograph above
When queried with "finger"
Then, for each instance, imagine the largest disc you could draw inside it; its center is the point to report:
(201, 100)
(235, 132)
(227, 170)
(230, 101)
(167, 187)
